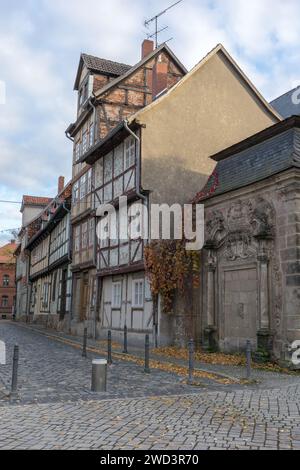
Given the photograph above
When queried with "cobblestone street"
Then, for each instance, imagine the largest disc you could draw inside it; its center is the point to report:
(56, 410)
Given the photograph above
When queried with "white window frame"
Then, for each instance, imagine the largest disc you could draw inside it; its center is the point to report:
(129, 152)
(138, 302)
(116, 300)
(77, 151)
(89, 182)
(6, 280)
(76, 192)
(84, 142)
(45, 293)
(91, 135)
(82, 187)
(91, 230)
(77, 241)
(84, 235)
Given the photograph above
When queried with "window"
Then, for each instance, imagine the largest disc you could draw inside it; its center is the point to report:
(129, 155)
(4, 302)
(45, 297)
(83, 94)
(84, 240)
(83, 186)
(77, 239)
(138, 294)
(5, 280)
(54, 286)
(116, 295)
(84, 142)
(76, 192)
(91, 232)
(89, 182)
(77, 151)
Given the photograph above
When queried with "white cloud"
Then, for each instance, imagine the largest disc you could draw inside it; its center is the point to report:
(40, 44)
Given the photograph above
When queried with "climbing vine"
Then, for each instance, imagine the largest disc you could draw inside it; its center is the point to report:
(170, 268)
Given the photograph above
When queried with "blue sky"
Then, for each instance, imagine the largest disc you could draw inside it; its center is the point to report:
(40, 44)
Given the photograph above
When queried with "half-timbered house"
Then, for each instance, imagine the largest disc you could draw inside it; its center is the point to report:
(32, 207)
(108, 92)
(50, 258)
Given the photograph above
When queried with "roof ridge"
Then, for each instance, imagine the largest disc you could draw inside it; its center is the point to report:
(284, 94)
(107, 60)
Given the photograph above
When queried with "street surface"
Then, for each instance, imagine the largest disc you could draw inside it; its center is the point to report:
(55, 408)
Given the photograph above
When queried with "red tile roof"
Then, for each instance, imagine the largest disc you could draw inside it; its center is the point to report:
(37, 201)
(7, 253)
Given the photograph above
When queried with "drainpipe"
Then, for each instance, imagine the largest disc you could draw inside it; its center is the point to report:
(146, 199)
(69, 137)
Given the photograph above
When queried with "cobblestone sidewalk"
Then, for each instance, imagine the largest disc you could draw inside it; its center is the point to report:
(264, 378)
(51, 371)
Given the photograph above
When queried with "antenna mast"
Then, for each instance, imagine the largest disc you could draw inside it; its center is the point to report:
(155, 19)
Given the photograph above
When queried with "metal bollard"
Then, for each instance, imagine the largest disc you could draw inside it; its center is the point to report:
(191, 361)
(14, 380)
(109, 356)
(99, 375)
(125, 350)
(147, 355)
(248, 359)
(84, 343)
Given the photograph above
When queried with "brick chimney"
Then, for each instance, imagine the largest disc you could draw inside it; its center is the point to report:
(160, 78)
(61, 184)
(147, 47)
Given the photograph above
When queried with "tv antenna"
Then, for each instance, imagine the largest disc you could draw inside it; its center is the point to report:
(155, 19)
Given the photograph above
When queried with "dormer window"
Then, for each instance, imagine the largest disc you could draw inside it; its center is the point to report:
(84, 93)
(85, 90)
(129, 154)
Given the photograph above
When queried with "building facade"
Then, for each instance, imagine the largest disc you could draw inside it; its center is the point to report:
(157, 157)
(31, 209)
(251, 275)
(108, 92)
(49, 273)
(7, 280)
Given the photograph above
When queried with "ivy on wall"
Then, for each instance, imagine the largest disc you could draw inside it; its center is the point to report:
(170, 268)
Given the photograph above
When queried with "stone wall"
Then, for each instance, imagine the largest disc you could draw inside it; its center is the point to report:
(251, 268)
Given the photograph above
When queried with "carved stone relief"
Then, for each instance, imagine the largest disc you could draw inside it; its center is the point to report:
(243, 232)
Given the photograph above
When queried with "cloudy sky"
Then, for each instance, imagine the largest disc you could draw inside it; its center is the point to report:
(40, 44)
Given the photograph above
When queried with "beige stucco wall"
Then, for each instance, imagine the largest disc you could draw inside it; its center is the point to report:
(211, 109)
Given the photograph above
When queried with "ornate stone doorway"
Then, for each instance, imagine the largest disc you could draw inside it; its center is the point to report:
(239, 308)
(239, 241)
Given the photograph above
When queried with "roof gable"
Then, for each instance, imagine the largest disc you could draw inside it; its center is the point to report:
(222, 52)
(101, 66)
(161, 48)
